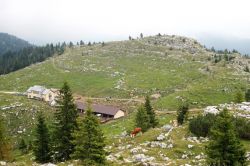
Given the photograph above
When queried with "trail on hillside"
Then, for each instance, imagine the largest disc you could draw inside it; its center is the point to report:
(9, 92)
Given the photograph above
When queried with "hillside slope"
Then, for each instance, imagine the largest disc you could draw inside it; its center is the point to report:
(11, 43)
(173, 66)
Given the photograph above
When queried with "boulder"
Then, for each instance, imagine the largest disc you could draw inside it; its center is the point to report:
(143, 158)
(48, 164)
(167, 127)
(155, 96)
(161, 137)
(3, 163)
(190, 146)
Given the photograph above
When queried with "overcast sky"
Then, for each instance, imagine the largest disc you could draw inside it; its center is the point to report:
(42, 21)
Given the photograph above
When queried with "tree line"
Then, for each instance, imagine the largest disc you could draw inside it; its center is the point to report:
(15, 60)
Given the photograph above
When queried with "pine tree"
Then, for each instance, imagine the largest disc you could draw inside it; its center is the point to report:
(89, 140)
(182, 113)
(247, 95)
(65, 124)
(224, 147)
(141, 35)
(152, 119)
(5, 146)
(238, 97)
(41, 143)
(142, 119)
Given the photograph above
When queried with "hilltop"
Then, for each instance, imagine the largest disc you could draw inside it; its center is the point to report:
(174, 67)
(171, 68)
(11, 43)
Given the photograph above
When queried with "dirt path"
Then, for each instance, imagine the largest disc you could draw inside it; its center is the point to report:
(84, 98)
(164, 112)
(9, 92)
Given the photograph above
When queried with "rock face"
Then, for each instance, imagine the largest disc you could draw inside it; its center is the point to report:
(175, 42)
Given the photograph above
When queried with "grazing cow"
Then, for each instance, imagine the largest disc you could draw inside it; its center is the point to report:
(135, 132)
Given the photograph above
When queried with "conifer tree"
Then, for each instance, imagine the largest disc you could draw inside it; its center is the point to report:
(89, 140)
(41, 143)
(238, 97)
(182, 113)
(247, 95)
(65, 123)
(224, 147)
(5, 146)
(152, 119)
(142, 119)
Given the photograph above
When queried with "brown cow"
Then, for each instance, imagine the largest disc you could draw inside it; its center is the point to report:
(135, 132)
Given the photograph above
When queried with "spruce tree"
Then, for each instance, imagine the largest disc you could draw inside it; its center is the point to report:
(182, 113)
(5, 146)
(238, 97)
(224, 147)
(65, 124)
(152, 119)
(142, 119)
(89, 140)
(247, 95)
(42, 139)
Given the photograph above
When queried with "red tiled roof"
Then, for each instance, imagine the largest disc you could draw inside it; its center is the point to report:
(98, 108)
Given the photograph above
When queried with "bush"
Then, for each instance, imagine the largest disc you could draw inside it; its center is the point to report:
(200, 126)
(243, 127)
(238, 97)
(182, 113)
(247, 95)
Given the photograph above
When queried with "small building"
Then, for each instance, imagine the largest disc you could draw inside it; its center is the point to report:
(103, 111)
(36, 92)
(41, 93)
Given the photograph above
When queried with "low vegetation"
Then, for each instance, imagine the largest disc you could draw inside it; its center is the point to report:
(129, 69)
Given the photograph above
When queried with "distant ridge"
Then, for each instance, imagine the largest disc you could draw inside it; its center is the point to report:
(11, 43)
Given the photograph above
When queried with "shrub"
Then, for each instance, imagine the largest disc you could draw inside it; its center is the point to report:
(200, 126)
(242, 127)
(247, 95)
(238, 97)
(182, 113)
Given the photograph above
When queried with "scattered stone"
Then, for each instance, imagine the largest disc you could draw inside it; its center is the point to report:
(161, 137)
(170, 146)
(198, 157)
(3, 163)
(155, 96)
(124, 134)
(167, 127)
(48, 164)
(143, 158)
(248, 156)
(211, 110)
(190, 146)
(110, 157)
(184, 156)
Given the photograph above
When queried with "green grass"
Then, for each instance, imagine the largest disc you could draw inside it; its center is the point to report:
(143, 70)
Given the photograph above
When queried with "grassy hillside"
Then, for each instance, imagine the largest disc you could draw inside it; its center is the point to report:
(121, 149)
(176, 67)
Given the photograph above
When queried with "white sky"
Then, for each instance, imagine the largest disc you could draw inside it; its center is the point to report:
(42, 21)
